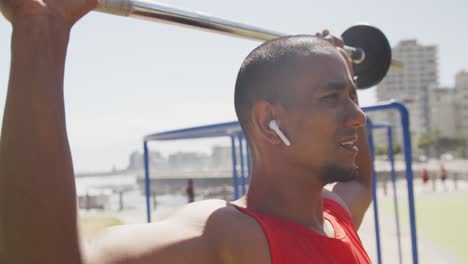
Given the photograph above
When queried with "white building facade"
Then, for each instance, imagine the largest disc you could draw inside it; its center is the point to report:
(443, 111)
(410, 84)
(461, 90)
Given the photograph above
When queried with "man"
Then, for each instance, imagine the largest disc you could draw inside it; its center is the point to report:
(443, 176)
(303, 83)
(190, 190)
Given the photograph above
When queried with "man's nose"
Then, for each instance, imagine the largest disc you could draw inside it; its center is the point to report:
(355, 117)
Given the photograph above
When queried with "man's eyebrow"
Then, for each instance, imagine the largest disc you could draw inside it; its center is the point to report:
(336, 85)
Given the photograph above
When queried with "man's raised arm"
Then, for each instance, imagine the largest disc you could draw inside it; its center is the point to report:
(38, 214)
(38, 209)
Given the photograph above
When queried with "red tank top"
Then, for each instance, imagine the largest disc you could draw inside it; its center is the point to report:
(290, 242)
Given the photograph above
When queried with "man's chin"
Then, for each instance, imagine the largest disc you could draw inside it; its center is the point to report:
(338, 173)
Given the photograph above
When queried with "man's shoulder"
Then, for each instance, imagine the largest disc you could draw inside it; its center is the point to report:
(211, 231)
(214, 219)
(208, 214)
(237, 237)
(332, 196)
(219, 218)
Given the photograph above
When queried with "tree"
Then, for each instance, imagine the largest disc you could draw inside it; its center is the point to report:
(430, 140)
(383, 150)
(436, 138)
(380, 150)
(425, 142)
(396, 148)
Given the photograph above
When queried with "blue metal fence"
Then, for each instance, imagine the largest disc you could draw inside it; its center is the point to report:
(405, 125)
(374, 192)
(371, 127)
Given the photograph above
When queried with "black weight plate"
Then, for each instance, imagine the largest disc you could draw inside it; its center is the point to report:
(378, 54)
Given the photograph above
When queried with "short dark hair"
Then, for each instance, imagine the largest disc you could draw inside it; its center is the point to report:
(265, 73)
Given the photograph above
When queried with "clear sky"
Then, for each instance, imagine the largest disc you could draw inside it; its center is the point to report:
(126, 78)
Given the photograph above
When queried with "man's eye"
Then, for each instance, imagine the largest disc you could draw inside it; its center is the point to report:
(330, 97)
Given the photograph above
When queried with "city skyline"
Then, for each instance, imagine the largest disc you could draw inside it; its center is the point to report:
(435, 111)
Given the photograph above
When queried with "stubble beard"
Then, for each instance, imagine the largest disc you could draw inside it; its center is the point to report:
(332, 173)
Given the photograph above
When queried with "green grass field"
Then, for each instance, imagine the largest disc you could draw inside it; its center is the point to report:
(441, 219)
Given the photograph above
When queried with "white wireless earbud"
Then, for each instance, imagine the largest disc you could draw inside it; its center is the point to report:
(274, 126)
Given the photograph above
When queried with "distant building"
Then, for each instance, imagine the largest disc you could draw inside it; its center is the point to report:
(188, 161)
(184, 164)
(410, 85)
(443, 111)
(461, 90)
(135, 161)
(221, 156)
(156, 160)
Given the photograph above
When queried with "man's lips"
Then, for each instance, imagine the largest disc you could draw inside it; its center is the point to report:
(348, 143)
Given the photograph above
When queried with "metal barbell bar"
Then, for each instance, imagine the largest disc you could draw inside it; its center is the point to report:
(153, 11)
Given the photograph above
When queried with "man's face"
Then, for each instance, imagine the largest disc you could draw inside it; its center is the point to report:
(323, 119)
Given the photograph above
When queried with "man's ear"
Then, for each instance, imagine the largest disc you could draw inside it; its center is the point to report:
(262, 113)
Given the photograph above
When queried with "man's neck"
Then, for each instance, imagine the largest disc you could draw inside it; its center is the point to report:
(292, 195)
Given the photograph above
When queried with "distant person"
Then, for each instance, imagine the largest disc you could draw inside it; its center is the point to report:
(443, 176)
(121, 200)
(190, 191)
(425, 176)
(87, 201)
(155, 201)
(385, 185)
(303, 83)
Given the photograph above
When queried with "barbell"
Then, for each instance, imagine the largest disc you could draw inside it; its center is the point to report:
(366, 45)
